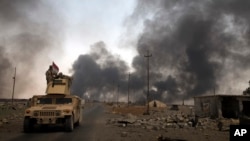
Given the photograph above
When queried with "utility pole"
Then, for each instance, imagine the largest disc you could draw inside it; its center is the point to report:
(147, 56)
(13, 90)
(214, 90)
(113, 85)
(117, 94)
(128, 86)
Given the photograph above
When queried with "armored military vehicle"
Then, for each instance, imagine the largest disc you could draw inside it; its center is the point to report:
(56, 107)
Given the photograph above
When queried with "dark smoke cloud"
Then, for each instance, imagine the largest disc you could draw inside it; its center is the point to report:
(196, 46)
(29, 32)
(191, 40)
(98, 74)
(4, 65)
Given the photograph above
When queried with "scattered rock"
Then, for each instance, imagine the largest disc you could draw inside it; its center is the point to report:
(172, 120)
(5, 121)
(124, 125)
(124, 134)
(220, 125)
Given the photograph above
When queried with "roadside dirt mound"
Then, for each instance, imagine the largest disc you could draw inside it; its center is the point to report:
(135, 110)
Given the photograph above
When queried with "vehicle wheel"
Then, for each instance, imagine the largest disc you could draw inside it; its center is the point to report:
(79, 120)
(27, 125)
(77, 123)
(69, 124)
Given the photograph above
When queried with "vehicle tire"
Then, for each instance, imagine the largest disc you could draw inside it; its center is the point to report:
(79, 119)
(77, 123)
(27, 125)
(69, 123)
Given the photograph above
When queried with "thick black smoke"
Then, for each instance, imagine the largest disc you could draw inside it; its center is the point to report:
(29, 32)
(197, 46)
(98, 74)
(191, 42)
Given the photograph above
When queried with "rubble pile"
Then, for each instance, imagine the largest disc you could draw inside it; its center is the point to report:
(9, 114)
(163, 121)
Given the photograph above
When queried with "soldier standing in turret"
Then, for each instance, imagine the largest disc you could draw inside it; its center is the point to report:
(49, 74)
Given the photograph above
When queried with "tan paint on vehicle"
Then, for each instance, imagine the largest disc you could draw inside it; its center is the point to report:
(57, 107)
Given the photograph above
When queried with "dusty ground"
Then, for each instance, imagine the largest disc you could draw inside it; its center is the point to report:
(134, 133)
(11, 118)
(120, 132)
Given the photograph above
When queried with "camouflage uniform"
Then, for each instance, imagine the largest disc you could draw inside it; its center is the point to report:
(49, 74)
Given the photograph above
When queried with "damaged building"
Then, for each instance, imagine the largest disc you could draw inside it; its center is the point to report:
(226, 106)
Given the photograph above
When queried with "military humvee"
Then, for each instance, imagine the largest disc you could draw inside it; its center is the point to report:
(57, 107)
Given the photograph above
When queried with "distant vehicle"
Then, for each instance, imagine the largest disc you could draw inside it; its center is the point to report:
(57, 107)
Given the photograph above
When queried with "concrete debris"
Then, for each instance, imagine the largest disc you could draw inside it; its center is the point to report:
(10, 113)
(178, 120)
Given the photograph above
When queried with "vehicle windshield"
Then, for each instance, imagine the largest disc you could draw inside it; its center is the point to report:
(44, 101)
(63, 100)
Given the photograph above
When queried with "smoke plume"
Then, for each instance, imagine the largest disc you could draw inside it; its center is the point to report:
(98, 74)
(28, 35)
(196, 46)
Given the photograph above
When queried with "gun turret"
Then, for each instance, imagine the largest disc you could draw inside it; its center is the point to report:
(59, 85)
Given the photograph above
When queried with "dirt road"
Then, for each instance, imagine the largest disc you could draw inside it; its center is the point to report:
(97, 125)
(86, 131)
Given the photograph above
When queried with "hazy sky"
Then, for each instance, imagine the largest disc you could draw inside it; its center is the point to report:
(35, 33)
(87, 22)
(197, 46)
